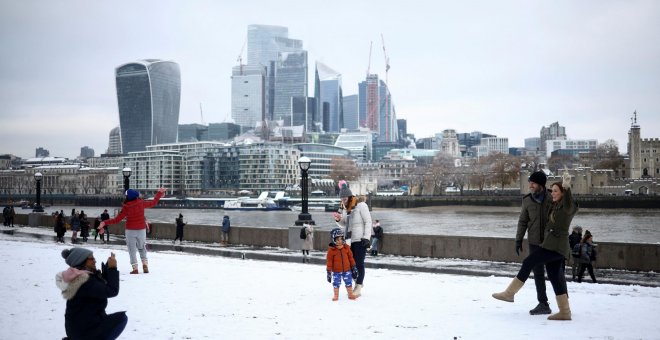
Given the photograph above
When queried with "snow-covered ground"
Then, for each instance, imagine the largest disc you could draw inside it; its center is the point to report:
(204, 297)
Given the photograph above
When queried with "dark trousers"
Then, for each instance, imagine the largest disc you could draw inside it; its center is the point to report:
(359, 254)
(554, 265)
(589, 267)
(539, 277)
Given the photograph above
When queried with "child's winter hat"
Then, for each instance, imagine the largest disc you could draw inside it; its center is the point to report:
(336, 232)
(74, 257)
(344, 190)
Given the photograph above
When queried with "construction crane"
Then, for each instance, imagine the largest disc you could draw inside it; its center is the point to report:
(240, 57)
(201, 113)
(371, 43)
(387, 93)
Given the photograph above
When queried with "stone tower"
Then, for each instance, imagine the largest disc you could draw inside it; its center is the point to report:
(634, 148)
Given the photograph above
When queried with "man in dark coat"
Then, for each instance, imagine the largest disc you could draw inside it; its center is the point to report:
(533, 219)
(86, 291)
(574, 238)
(179, 229)
(104, 217)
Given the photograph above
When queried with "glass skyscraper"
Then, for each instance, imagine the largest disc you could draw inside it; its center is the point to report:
(330, 92)
(248, 85)
(148, 97)
(290, 82)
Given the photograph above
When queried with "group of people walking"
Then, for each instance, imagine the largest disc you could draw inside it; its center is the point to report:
(79, 225)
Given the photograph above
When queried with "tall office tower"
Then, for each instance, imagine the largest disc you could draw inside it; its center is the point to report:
(41, 152)
(86, 152)
(248, 95)
(330, 92)
(303, 111)
(387, 131)
(369, 103)
(350, 108)
(551, 132)
(533, 143)
(114, 142)
(148, 95)
(290, 82)
(402, 126)
(265, 43)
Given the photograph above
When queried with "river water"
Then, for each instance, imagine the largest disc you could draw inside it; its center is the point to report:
(609, 225)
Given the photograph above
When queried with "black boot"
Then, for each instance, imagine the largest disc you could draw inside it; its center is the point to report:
(541, 308)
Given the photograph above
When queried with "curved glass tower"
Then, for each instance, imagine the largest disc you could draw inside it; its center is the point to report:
(148, 97)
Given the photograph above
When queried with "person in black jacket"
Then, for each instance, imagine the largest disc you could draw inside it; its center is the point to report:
(86, 291)
(105, 216)
(574, 238)
(179, 229)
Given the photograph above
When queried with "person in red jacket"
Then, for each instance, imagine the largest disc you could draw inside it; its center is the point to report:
(340, 264)
(136, 237)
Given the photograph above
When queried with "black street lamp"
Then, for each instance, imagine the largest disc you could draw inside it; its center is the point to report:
(127, 174)
(304, 216)
(37, 208)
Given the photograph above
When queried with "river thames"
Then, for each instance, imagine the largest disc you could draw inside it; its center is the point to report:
(609, 225)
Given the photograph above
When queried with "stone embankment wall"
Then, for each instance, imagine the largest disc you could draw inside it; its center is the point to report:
(625, 256)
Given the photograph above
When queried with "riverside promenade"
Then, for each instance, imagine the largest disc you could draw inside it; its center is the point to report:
(22, 233)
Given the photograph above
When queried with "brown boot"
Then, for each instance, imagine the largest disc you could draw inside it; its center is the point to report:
(145, 269)
(135, 271)
(350, 293)
(510, 291)
(336, 296)
(564, 309)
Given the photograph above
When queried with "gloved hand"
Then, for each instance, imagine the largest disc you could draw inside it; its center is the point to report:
(566, 180)
(365, 243)
(354, 272)
(518, 247)
(328, 275)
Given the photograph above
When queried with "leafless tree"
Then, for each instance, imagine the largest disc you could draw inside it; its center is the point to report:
(343, 168)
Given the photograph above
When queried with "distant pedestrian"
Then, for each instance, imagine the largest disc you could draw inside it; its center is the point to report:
(136, 237)
(340, 264)
(60, 227)
(74, 220)
(587, 257)
(376, 238)
(5, 216)
(574, 238)
(308, 242)
(97, 222)
(84, 226)
(104, 217)
(12, 214)
(86, 291)
(226, 228)
(179, 229)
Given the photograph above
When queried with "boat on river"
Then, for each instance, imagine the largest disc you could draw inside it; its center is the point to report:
(261, 203)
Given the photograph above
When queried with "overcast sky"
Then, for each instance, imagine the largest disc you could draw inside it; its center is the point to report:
(501, 67)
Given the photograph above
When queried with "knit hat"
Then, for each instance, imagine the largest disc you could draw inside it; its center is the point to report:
(587, 234)
(539, 178)
(132, 194)
(74, 257)
(180, 216)
(344, 190)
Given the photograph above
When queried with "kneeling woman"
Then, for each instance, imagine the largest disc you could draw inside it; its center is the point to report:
(86, 291)
(554, 250)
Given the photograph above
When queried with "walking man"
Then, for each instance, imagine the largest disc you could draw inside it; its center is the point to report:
(533, 219)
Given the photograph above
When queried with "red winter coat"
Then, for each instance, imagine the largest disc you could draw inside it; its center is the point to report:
(133, 211)
(339, 260)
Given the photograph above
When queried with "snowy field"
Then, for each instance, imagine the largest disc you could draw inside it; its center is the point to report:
(204, 297)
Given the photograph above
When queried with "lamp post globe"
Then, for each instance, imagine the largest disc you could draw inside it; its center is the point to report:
(304, 217)
(37, 208)
(127, 173)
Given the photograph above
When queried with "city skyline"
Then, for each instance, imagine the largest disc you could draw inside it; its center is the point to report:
(506, 68)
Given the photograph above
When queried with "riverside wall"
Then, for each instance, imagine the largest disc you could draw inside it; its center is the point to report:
(624, 256)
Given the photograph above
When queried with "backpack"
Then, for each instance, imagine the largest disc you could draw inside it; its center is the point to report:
(303, 233)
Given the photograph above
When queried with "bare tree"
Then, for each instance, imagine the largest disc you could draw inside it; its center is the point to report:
(441, 172)
(479, 173)
(343, 168)
(505, 168)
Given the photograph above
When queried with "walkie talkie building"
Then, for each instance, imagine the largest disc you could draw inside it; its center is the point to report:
(148, 97)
